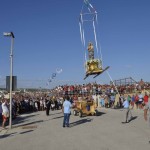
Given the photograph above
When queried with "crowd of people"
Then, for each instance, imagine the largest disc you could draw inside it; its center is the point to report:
(25, 103)
(94, 88)
(138, 100)
(103, 95)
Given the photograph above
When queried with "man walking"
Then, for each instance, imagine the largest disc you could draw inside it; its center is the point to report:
(126, 105)
(66, 110)
(147, 107)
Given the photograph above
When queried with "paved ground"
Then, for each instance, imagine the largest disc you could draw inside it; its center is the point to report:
(103, 132)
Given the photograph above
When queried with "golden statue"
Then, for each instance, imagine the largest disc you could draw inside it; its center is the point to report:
(91, 51)
(93, 66)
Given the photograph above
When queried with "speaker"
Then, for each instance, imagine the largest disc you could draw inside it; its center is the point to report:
(14, 83)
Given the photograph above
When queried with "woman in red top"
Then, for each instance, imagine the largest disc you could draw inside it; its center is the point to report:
(136, 101)
(145, 99)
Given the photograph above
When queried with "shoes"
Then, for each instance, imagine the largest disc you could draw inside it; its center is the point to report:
(131, 118)
(66, 126)
(125, 122)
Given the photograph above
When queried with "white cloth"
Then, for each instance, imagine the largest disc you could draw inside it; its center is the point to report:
(4, 108)
(5, 111)
(140, 98)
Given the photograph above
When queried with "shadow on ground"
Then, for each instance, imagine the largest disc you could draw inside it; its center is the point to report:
(30, 123)
(26, 131)
(82, 121)
(13, 134)
(21, 118)
(98, 113)
(7, 135)
(133, 118)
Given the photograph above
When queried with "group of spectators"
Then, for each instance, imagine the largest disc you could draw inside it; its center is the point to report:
(138, 100)
(94, 88)
(103, 95)
(25, 103)
(22, 104)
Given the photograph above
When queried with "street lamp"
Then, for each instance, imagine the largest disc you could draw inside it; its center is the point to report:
(10, 34)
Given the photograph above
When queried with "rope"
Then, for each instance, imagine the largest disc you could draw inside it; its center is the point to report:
(82, 37)
(89, 6)
(82, 29)
(113, 82)
(95, 37)
(101, 56)
(92, 11)
(81, 32)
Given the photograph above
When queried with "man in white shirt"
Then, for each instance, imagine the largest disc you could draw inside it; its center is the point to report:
(126, 105)
(66, 110)
(140, 100)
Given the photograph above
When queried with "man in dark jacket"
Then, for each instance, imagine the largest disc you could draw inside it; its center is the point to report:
(48, 104)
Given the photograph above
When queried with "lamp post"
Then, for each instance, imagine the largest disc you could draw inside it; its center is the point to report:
(10, 34)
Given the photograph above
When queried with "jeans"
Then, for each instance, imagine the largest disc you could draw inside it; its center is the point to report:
(127, 114)
(102, 103)
(66, 120)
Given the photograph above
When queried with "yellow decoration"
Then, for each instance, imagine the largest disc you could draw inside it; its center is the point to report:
(93, 67)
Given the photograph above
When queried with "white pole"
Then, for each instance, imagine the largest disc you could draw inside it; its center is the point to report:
(11, 75)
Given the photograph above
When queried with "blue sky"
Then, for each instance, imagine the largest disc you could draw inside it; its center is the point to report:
(47, 37)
